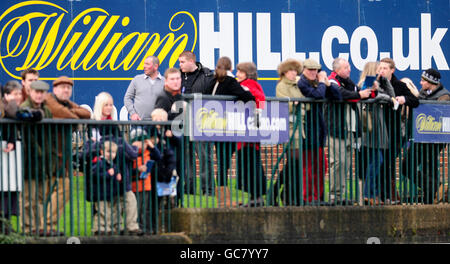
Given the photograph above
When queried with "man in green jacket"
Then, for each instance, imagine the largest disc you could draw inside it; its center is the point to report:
(39, 156)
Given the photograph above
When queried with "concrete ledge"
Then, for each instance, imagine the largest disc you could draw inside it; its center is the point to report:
(351, 224)
(168, 238)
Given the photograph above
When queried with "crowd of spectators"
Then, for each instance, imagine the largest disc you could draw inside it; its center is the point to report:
(126, 170)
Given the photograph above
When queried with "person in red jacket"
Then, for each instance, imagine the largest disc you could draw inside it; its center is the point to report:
(250, 172)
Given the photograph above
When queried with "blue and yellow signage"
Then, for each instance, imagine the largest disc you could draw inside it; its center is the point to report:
(432, 123)
(214, 120)
(102, 44)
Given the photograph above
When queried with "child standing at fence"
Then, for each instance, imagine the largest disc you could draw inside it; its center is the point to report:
(167, 164)
(105, 184)
(142, 179)
(104, 110)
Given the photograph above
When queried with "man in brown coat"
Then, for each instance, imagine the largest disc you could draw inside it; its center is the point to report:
(62, 108)
(59, 101)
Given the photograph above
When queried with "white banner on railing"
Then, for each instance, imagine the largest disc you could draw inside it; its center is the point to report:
(11, 179)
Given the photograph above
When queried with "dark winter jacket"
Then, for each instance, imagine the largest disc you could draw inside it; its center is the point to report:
(126, 154)
(40, 148)
(439, 94)
(166, 100)
(103, 186)
(316, 130)
(336, 114)
(197, 81)
(166, 164)
(393, 118)
(230, 86)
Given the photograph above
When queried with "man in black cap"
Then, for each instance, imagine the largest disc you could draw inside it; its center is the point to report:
(432, 88)
(427, 155)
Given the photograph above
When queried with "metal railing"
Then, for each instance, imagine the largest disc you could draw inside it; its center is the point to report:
(57, 181)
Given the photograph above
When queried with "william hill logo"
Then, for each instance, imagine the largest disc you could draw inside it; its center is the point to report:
(428, 124)
(42, 35)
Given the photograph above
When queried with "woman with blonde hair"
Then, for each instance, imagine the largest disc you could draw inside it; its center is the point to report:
(104, 107)
(374, 128)
(410, 84)
(370, 69)
(382, 89)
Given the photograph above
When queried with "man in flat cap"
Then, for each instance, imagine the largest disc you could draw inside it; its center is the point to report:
(62, 107)
(37, 153)
(59, 101)
(314, 84)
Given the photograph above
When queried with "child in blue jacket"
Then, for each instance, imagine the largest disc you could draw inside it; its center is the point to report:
(106, 180)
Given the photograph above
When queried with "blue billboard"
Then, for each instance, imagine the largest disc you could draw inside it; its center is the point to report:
(102, 44)
(431, 123)
(229, 121)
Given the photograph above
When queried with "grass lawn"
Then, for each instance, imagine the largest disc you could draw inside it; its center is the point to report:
(82, 209)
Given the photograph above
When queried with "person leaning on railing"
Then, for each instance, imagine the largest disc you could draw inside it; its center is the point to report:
(289, 71)
(9, 106)
(427, 155)
(405, 98)
(12, 98)
(224, 83)
(314, 83)
(38, 151)
(62, 107)
(374, 133)
(251, 177)
(339, 120)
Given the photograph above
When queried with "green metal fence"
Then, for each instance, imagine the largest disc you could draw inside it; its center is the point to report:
(362, 154)
(58, 180)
